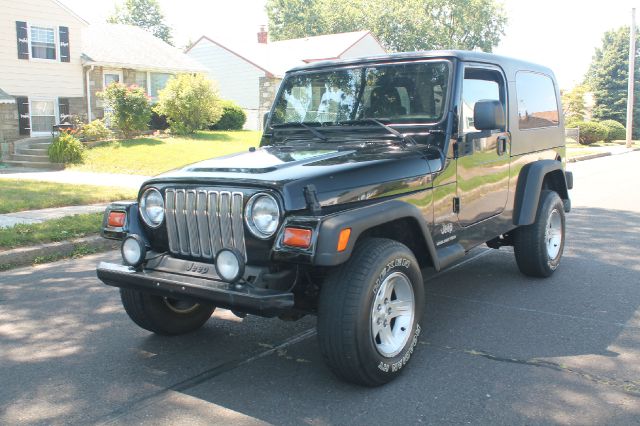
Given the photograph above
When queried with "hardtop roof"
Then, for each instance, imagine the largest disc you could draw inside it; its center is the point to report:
(509, 65)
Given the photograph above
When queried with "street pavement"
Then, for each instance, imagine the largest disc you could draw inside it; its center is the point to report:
(497, 347)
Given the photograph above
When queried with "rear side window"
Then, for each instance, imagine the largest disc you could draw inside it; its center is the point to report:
(537, 104)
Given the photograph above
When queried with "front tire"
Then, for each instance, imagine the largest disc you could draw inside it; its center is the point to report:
(538, 247)
(369, 312)
(165, 316)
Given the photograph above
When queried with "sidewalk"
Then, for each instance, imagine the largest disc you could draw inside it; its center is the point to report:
(68, 176)
(601, 151)
(8, 220)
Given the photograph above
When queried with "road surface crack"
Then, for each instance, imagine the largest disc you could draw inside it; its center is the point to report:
(630, 387)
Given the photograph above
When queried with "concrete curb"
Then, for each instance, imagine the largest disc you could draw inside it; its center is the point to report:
(588, 157)
(598, 155)
(29, 255)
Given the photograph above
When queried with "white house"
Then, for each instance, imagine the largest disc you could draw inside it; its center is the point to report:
(52, 63)
(40, 66)
(250, 74)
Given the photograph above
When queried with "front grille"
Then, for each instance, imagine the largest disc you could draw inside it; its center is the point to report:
(200, 222)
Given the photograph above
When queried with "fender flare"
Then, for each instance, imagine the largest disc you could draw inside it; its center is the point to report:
(360, 220)
(530, 185)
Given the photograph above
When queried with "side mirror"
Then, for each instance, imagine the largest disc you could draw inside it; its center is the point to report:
(488, 115)
(265, 118)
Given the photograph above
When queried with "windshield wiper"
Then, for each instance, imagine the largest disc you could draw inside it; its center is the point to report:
(300, 124)
(394, 132)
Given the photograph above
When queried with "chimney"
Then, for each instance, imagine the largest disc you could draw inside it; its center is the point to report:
(262, 35)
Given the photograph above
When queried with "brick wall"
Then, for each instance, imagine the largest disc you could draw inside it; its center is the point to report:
(268, 87)
(9, 130)
(95, 86)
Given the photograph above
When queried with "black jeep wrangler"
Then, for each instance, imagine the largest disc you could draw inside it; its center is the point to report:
(368, 171)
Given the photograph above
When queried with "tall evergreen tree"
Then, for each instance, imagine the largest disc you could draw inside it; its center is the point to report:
(608, 78)
(400, 25)
(144, 14)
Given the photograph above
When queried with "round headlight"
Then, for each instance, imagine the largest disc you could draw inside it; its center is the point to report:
(133, 250)
(229, 265)
(262, 215)
(152, 207)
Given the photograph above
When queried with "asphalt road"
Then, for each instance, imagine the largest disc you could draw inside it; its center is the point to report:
(497, 347)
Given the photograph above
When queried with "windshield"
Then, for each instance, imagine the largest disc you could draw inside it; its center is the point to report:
(409, 92)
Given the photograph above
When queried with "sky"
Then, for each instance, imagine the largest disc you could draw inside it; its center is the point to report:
(561, 34)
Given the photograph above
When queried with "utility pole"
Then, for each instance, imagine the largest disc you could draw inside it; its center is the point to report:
(632, 67)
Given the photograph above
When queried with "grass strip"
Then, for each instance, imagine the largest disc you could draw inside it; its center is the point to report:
(20, 195)
(66, 228)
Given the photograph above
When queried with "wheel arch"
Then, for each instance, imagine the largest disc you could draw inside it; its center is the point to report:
(396, 220)
(533, 178)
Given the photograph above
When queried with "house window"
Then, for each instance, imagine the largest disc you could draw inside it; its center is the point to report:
(43, 116)
(158, 82)
(141, 79)
(43, 43)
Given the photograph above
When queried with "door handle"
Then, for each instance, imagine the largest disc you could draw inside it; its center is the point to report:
(501, 145)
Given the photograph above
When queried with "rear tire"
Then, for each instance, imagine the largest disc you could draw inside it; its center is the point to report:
(369, 312)
(163, 315)
(538, 247)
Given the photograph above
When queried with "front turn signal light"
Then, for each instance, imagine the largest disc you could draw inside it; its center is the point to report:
(343, 239)
(297, 237)
(116, 219)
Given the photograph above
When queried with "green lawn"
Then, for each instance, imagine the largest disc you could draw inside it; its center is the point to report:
(577, 150)
(66, 228)
(19, 195)
(153, 155)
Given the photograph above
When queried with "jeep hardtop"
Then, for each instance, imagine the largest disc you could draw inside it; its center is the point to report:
(369, 170)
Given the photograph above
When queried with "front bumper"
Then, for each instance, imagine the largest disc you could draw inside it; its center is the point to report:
(237, 297)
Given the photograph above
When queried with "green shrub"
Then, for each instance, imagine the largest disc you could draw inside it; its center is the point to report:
(66, 149)
(615, 130)
(591, 132)
(130, 105)
(95, 131)
(233, 117)
(189, 102)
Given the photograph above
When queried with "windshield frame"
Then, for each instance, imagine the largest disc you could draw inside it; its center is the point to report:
(447, 104)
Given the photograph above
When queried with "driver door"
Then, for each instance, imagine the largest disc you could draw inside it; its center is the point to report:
(483, 155)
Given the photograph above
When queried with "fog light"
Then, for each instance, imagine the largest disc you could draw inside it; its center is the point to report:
(133, 250)
(229, 265)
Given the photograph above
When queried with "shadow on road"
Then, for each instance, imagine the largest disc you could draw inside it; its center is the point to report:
(70, 354)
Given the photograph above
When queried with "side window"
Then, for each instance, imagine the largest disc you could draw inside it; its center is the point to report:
(479, 84)
(537, 103)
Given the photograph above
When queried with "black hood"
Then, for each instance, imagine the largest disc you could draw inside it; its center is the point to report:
(340, 173)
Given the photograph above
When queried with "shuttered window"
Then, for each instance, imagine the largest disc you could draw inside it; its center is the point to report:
(22, 38)
(23, 114)
(64, 44)
(43, 43)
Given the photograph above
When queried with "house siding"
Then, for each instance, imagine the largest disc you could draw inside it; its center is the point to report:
(39, 78)
(367, 46)
(236, 78)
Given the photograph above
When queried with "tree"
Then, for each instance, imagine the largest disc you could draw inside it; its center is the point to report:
(400, 25)
(573, 103)
(130, 106)
(144, 14)
(189, 102)
(607, 76)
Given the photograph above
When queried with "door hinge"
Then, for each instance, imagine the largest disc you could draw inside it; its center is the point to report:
(456, 204)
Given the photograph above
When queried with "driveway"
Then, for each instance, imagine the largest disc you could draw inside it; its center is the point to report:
(497, 347)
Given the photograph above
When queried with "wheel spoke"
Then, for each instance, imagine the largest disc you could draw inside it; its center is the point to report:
(385, 335)
(400, 307)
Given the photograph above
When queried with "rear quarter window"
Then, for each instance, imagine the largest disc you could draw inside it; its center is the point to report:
(537, 103)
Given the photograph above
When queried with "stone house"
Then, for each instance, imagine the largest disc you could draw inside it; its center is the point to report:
(128, 54)
(250, 74)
